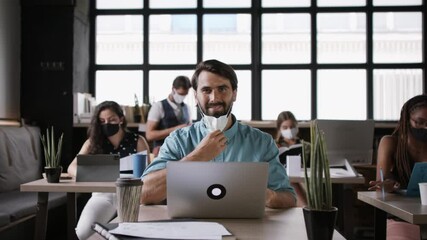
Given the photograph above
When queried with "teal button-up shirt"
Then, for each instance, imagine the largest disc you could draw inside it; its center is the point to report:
(245, 144)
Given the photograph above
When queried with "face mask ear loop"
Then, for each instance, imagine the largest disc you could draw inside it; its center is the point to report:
(201, 111)
(229, 111)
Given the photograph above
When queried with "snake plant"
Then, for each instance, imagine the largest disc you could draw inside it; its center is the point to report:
(52, 151)
(317, 179)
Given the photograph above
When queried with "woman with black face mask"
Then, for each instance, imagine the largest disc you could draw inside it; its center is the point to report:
(107, 134)
(397, 154)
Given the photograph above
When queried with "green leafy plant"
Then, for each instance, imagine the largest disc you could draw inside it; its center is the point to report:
(318, 184)
(52, 151)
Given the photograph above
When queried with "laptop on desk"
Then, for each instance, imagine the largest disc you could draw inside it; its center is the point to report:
(216, 190)
(98, 167)
(418, 175)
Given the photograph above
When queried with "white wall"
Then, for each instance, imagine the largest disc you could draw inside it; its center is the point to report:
(10, 59)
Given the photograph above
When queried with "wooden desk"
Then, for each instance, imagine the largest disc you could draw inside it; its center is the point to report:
(276, 224)
(335, 180)
(406, 208)
(71, 188)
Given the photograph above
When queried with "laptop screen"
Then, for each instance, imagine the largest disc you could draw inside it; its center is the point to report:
(348, 139)
(418, 175)
(98, 167)
(216, 189)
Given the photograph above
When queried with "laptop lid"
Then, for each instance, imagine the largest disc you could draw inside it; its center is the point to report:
(418, 175)
(98, 168)
(348, 139)
(216, 190)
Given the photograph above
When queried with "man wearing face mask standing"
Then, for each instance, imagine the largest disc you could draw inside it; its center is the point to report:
(169, 114)
(219, 137)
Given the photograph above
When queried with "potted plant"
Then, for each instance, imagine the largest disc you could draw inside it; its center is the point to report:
(52, 155)
(145, 109)
(136, 110)
(319, 214)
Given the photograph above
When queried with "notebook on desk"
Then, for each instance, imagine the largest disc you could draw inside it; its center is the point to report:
(98, 167)
(216, 190)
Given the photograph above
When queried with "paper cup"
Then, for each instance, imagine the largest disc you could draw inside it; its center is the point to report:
(128, 198)
(139, 162)
(423, 192)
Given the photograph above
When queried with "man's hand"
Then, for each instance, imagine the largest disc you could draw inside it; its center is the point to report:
(212, 145)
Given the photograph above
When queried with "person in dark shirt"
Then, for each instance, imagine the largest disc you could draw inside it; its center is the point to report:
(107, 134)
(169, 114)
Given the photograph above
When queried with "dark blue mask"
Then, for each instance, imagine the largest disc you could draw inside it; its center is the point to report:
(419, 134)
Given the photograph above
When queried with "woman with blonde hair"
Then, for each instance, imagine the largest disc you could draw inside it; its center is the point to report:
(289, 144)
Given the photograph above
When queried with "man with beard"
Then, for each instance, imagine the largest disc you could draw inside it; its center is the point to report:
(219, 137)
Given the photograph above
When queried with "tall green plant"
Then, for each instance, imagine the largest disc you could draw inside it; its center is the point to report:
(52, 152)
(318, 185)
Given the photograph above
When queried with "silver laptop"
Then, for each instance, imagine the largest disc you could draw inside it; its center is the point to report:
(350, 140)
(98, 168)
(216, 190)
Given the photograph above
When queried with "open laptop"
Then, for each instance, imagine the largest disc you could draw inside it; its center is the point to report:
(98, 167)
(216, 190)
(418, 175)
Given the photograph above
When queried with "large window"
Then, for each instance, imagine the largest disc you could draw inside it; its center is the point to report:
(353, 59)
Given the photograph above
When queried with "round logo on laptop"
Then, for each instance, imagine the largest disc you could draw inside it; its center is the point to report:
(216, 191)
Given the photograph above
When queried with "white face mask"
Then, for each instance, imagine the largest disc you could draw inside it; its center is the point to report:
(290, 133)
(213, 123)
(177, 98)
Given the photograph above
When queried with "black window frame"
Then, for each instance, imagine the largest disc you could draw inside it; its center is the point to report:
(256, 66)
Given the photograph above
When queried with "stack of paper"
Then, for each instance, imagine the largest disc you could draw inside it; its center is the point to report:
(172, 230)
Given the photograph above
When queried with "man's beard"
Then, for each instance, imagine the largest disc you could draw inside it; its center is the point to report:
(216, 114)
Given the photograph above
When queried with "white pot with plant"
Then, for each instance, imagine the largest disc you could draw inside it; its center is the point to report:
(319, 214)
(52, 150)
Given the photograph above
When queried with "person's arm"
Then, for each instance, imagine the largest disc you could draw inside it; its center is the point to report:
(142, 145)
(275, 199)
(152, 133)
(154, 187)
(72, 168)
(385, 158)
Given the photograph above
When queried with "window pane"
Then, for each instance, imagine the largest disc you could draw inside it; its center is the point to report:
(173, 4)
(397, 37)
(119, 39)
(122, 4)
(173, 39)
(226, 3)
(392, 88)
(242, 107)
(396, 2)
(161, 86)
(340, 3)
(286, 3)
(286, 38)
(341, 38)
(286, 90)
(341, 94)
(119, 86)
(227, 37)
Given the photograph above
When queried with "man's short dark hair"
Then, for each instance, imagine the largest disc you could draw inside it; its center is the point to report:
(181, 82)
(218, 68)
